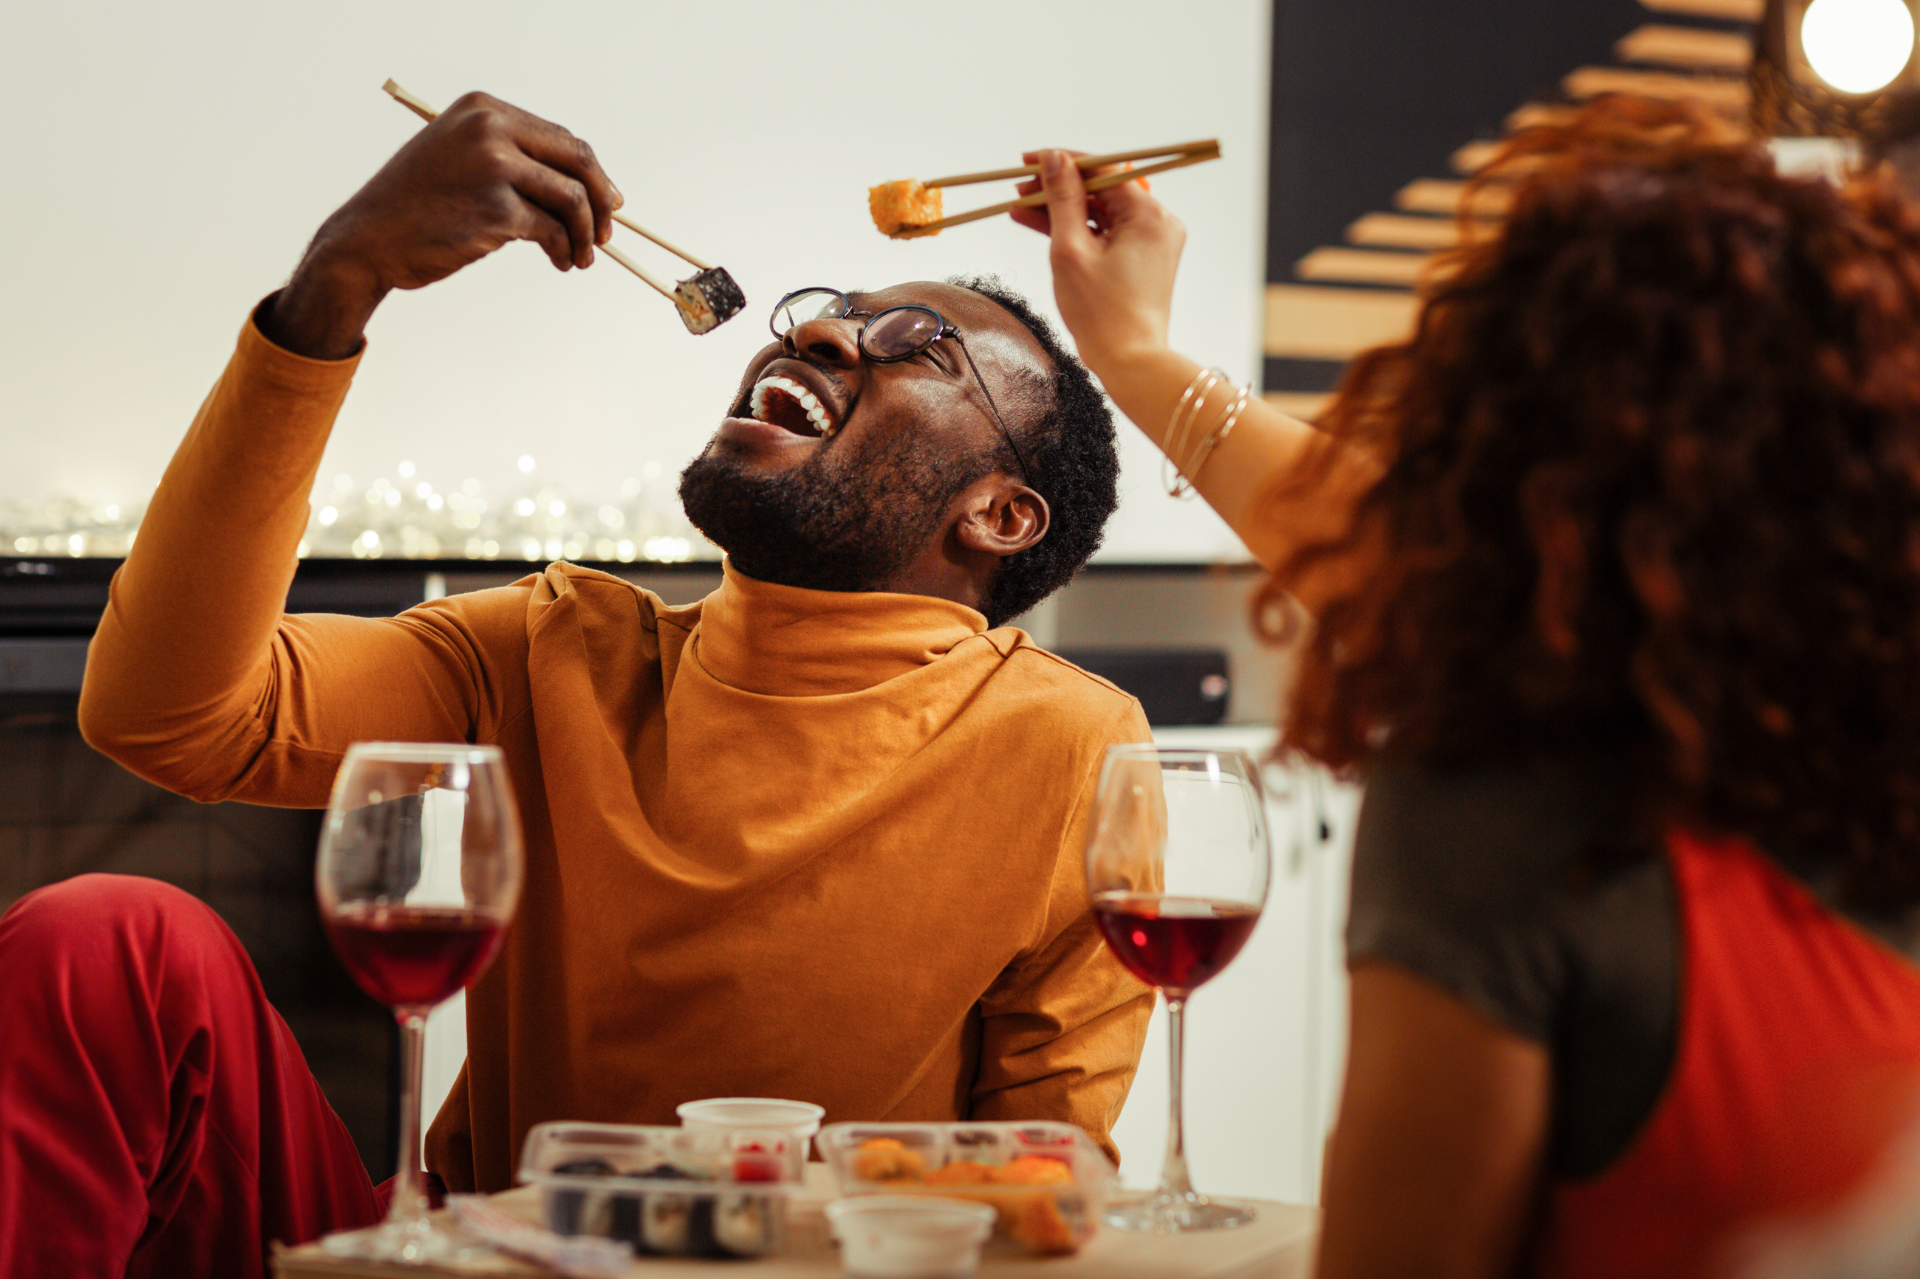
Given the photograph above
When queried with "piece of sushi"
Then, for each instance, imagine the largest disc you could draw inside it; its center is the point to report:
(746, 1225)
(1039, 1224)
(962, 1172)
(886, 1159)
(707, 299)
(899, 207)
(665, 1222)
(1034, 1170)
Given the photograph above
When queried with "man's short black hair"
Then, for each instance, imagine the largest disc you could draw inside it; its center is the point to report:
(1069, 444)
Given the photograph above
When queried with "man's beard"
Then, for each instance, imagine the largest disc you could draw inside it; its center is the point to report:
(833, 523)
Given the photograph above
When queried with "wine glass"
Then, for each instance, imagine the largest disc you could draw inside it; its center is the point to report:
(418, 875)
(1177, 864)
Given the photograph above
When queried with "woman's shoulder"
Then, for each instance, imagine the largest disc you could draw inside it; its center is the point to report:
(1496, 837)
(1526, 891)
(1492, 880)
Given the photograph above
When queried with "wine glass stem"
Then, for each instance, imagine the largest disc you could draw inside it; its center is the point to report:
(1173, 1170)
(410, 1186)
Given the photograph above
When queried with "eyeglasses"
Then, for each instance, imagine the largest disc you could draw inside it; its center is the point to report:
(895, 334)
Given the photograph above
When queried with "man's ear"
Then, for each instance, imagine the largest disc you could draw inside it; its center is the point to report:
(1001, 516)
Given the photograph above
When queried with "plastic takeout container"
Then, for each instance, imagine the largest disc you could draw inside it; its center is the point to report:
(795, 1122)
(909, 1236)
(673, 1191)
(1009, 1166)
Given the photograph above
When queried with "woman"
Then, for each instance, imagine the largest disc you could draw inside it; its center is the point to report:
(1615, 576)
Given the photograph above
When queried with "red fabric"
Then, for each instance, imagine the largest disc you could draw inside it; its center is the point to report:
(436, 1191)
(156, 1116)
(1797, 1066)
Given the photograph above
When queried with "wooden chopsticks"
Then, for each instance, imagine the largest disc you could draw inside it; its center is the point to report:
(428, 114)
(1188, 153)
(1084, 162)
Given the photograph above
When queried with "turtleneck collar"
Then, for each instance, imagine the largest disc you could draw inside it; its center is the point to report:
(786, 641)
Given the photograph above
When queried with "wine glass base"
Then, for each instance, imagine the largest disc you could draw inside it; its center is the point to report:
(1171, 1214)
(418, 1242)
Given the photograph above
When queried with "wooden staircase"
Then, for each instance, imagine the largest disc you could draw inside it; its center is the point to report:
(1348, 297)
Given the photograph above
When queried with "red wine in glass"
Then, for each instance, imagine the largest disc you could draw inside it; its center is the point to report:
(1177, 869)
(1175, 943)
(418, 875)
(413, 956)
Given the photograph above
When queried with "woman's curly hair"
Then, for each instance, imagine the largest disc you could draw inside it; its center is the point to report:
(1651, 488)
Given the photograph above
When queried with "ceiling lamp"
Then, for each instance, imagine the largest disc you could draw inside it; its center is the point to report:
(1837, 68)
(1857, 46)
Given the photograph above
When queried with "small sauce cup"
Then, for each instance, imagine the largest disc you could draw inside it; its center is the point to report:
(909, 1236)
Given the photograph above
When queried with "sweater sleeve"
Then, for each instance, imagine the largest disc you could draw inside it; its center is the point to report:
(197, 680)
(1061, 1032)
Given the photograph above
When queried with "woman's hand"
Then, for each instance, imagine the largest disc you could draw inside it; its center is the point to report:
(1114, 257)
(1115, 254)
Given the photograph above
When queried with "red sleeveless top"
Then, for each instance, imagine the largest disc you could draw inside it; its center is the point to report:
(1796, 1067)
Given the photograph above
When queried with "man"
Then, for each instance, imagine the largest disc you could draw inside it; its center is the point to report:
(818, 836)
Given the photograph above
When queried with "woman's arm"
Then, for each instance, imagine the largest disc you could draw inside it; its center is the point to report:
(1435, 1166)
(1113, 281)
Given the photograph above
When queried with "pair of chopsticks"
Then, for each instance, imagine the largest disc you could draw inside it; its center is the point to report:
(1182, 154)
(427, 113)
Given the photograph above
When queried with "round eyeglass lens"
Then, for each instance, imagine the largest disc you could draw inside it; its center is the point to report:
(899, 332)
(808, 304)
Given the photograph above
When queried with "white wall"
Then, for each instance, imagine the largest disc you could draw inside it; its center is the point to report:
(168, 162)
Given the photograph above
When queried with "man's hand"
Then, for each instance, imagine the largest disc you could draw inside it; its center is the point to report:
(483, 174)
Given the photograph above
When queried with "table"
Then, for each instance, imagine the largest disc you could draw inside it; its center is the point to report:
(1278, 1245)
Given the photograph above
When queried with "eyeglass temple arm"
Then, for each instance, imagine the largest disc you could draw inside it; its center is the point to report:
(1026, 472)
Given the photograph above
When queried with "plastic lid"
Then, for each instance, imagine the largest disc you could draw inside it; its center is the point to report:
(752, 1112)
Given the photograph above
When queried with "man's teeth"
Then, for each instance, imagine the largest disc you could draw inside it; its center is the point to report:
(816, 412)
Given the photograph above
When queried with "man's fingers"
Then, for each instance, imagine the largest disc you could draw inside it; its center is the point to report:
(546, 144)
(558, 149)
(543, 229)
(565, 201)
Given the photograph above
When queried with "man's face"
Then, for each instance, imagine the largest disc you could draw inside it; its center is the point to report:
(833, 472)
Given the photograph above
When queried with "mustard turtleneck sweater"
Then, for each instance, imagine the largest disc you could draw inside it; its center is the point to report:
(780, 843)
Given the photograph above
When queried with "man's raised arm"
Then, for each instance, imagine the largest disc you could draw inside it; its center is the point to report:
(192, 676)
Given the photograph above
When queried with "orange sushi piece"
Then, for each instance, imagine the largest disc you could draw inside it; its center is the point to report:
(1035, 1170)
(1039, 1225)
(885, 1159)
(962, 1172)
(898, 207)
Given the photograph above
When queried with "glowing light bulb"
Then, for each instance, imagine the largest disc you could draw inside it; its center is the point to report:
(1857, 46)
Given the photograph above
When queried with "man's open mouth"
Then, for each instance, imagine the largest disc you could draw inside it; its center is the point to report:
(785, 403)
